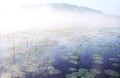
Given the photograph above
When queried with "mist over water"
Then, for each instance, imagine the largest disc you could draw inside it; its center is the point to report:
(59, 41)
(49, 17)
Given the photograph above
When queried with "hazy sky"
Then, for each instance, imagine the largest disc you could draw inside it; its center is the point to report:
(13, 17)
(107, 6)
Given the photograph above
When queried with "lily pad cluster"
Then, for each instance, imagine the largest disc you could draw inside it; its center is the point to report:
(52, 70)
(112, 73)
(98, 59)
(73, 56)
(115, 65)
(84, 73)
(15, 71)
(72, 69)
(73, 62)
(114, 59)
(118, 54)
(6, 75)
(31, 67)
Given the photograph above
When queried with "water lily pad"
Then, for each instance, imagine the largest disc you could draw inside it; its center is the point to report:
(114, 59)
(97, 57)
(115, 65)
(75, 74)
(88, 75)
(82, 71)
(112, 73)
(6, 75)
(72, 69)
(32, 67)
(52, 70)
(18, 74)
(71, 76)
(73, 57)
(95, 71)
(73, 61)
(98, 61)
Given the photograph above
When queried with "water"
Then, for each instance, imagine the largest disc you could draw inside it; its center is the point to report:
(46, 54)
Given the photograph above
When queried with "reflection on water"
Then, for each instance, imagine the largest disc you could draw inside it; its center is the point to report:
(71, 54)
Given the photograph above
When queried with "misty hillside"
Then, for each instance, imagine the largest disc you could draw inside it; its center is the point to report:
(68, 15)
(70, 7)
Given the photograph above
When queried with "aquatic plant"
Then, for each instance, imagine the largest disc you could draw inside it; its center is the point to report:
(115, 64)
(13, 75)
(114, 59)
(13, 47)
(98, 59)
(73, 57)
(6, 75)
(73, 61)
(64, 57)
(78, 51)
(52, 70)
(50, 67)
(98, 62)
(118, 54)
(72, 69)
(18, 74)
(15, 68)
(95, 71)
(89, 75)
(82, 71)
(71, 76)
(112, 72)
(28, 53)
(75, 74)
(31, 67)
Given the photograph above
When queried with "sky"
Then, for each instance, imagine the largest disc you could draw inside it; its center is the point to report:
(12, 16)
(108, 6)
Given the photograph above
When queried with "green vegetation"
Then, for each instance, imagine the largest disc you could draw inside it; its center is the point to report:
(84, 73)
(72, 69)
(112, 73)
(98, 59)
(115, 65)
(114, 59)
(52, 70)
(73, 62)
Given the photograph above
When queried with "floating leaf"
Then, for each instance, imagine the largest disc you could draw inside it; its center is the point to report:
(112, 73)
(72, 69)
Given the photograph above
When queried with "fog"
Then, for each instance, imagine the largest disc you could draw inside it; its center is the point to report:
(47, 17)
